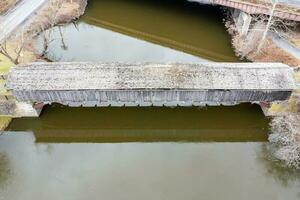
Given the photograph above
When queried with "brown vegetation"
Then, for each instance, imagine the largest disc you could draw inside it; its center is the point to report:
(55, 12)
(19, 47)
(15, 54)
(5, 5)
(285, 129)
(272, 53)
(246, 46)
(285, 139)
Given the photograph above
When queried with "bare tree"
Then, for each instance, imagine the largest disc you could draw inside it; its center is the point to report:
(261, 25)
(274, 3)
(54, 9)
(47, 40)
(62, 39)
(14, 52)
(43, 28)
(285, 139)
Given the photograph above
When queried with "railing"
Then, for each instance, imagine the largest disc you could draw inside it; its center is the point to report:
(254, 8)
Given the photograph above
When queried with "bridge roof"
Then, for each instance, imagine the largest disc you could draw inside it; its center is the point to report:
(124, 76)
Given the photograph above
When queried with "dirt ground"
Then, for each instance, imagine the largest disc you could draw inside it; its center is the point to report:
(245, 47)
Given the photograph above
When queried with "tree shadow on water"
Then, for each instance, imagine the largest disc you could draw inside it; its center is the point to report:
(5, 170)
(276, 169)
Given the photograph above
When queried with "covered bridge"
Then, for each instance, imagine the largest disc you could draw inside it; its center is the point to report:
(147, 84)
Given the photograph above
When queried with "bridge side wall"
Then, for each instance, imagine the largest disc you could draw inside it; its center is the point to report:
(252, 8)
(149, 97)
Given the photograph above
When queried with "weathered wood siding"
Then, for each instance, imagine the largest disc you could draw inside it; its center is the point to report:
(150, 97)
(129, 76)
(146, 84)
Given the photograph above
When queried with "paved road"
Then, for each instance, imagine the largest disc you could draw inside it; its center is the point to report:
(17, 16)
(291, 2)
(282, 43)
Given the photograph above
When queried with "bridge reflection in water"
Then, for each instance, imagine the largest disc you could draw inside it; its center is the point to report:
(146, 124)
(179, 24)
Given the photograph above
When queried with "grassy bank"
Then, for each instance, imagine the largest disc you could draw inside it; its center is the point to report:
(4, 122)
(5, 64)
(21, 49)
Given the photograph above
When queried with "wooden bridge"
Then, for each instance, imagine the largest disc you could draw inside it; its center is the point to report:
(149, 84)
(283, 11)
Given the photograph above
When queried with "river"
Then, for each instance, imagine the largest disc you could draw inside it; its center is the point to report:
(144, 152)
(150, 30)
(149, 124)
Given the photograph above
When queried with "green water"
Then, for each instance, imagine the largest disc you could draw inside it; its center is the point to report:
(148, 30)
(189, 27)
(144, 152)
(105, 33)
(149, 124)
(135, 171)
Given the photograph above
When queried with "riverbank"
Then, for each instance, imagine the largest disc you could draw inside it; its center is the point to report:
(5, 64)
(19, 48)
(245, 46)
(59, 12)
(55, 12)
(284, 138)
(5, 5)
(51, 14)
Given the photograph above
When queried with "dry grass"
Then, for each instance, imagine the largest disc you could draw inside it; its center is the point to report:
(5, 64)
(285, 139)
(4, 122)
(246, 47)
(272, 53)
(11, 47)
(296, 42)
(67, 11)
(57, 12)
(5, 5)
(285, 136)
(285, 127)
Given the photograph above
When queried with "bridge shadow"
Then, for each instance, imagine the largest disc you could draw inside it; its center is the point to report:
(59, 123)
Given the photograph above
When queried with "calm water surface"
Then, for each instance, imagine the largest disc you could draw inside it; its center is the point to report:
(129, 171)
(223, 124)
(149, 30)
(148, 153)
(143, 153)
